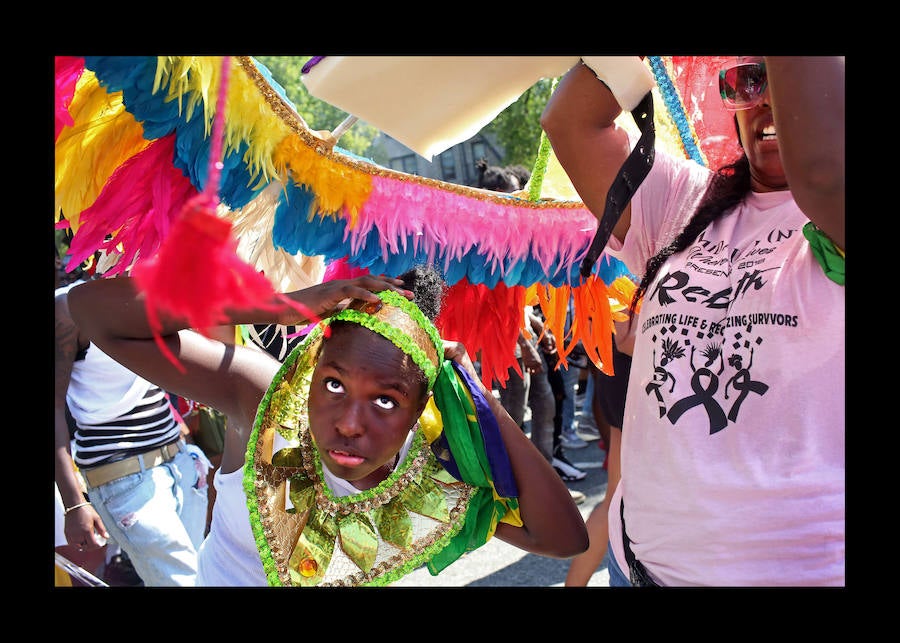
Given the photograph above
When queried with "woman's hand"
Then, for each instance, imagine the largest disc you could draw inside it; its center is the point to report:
(322, 300)
(548, 343)
(85, 529)
(531, 358)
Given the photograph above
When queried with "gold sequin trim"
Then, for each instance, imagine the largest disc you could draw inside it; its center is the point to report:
(295, 122)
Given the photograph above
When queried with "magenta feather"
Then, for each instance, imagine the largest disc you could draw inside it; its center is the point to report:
(68, 71)
(138, 205)
(450, 224)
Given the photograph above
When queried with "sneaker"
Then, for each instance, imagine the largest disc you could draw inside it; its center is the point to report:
(570, 440)
(577, 496)
(588, 432)
(567, 471)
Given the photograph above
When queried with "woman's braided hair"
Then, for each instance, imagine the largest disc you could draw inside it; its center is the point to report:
(727, 188)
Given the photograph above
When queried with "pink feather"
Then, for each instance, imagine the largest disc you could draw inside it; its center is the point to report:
(138, 205)
(68, 71)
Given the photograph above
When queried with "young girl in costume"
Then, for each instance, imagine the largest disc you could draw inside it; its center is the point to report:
(371, 450)
(732, 453)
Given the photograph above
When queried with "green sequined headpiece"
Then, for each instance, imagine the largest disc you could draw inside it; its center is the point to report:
(403, 324)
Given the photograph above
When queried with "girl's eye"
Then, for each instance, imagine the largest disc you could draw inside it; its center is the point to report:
(333, 386)
(386, 402)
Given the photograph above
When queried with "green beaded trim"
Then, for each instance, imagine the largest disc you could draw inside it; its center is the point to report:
(249, 482)
(409, 470)
(400, 339)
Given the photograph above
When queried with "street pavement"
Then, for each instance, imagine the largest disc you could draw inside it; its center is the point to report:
(498, 564)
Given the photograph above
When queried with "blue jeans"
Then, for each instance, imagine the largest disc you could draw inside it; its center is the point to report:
(158, 517)
(535, 392)
(570, 386)
(617, 578)
(587, 409)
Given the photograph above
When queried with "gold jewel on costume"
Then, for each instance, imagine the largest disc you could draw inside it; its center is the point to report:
(419, 514)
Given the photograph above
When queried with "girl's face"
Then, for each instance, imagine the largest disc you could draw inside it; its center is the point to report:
(365, 396)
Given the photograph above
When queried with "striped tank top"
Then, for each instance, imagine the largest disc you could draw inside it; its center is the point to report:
(116, 413)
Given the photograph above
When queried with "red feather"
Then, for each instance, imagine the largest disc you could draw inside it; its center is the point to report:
(197, 273)
(486, 322)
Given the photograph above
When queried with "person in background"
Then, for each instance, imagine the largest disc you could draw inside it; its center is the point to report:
(555, 381)
(532, 389)
(732, 453)
(608, 402)
(565, 381)
(144, 487)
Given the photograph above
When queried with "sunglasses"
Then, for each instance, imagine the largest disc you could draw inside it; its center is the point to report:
(742, 85)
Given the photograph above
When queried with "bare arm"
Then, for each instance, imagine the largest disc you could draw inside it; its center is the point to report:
(808, 96)
(579, 120)
(82, 525)
(229, 378)
(552, 524)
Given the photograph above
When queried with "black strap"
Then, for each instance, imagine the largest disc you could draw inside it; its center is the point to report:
(630, 176)
(638, 574)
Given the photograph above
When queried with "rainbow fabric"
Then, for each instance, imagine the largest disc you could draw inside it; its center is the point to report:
(132, 149)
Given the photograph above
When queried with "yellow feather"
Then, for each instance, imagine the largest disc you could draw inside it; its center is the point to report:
(103, 136)
(250, 119)
(338, 186)
(192, 81)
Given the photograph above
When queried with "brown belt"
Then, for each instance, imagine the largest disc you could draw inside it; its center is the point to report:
(98, 476)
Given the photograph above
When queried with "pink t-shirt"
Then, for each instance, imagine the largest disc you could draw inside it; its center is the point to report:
(733, 439)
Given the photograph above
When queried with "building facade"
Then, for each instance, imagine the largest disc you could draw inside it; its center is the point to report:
(454, 165)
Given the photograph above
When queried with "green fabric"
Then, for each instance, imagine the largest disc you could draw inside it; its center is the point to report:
(825, 252)
(471, 535)
(464, 437)
(461, 427)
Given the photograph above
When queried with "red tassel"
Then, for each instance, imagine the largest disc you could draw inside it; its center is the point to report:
(197, 273)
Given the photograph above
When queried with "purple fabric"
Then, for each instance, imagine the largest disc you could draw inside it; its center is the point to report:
(501, 468)
(312, 62)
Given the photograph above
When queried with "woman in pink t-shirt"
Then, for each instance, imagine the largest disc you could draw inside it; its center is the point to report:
(733, 436)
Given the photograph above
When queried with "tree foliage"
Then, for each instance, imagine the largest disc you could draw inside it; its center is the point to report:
(518, 127)
(318, 114)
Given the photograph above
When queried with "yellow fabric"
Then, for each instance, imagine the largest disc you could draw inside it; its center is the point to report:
(431, 423)
(61, 578)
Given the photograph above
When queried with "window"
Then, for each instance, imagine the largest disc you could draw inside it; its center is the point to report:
(405, 164)
(479, 151)
(448, 165)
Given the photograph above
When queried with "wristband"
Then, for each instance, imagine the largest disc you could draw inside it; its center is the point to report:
(74, 507)
(627, 77)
